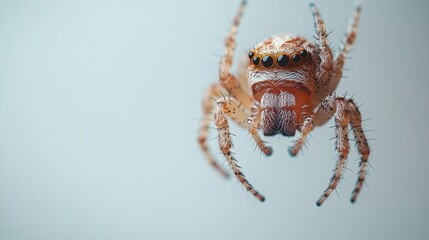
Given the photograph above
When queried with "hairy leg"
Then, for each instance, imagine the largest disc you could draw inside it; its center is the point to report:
(345, 47)
(325, 110)
(227, 79)
(207, 104)
(324, 70)
(342, 119)
(233, 109)
(225, 144)
(362, 145)
(230, 83)
(346, 112)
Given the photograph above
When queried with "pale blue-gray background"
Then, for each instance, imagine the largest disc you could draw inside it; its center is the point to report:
(100, 104)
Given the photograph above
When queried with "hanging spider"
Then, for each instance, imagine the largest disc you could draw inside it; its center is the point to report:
(285, 86)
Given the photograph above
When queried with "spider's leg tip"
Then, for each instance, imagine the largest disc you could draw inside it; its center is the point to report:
(262, 199)
(359, 8)
(318, 203)
(291, 153)
(268, 151)
(311, 6)
(353, 200)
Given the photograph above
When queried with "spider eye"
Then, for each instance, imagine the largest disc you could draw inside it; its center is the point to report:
(267, 61)
(295, 58)
(251, 54)
(255, 61)
(282, 60)
(304, 53)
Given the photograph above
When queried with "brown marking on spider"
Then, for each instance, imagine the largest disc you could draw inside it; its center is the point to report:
(285, 85)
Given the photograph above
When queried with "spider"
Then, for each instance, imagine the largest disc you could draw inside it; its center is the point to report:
(285, 85)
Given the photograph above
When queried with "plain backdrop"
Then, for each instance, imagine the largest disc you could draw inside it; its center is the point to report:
(100, 105)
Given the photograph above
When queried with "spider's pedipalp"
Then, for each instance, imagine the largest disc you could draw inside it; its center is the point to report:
(252, 127)
(306, 128)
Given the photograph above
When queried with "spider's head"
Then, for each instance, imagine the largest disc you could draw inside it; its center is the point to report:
(281, 60)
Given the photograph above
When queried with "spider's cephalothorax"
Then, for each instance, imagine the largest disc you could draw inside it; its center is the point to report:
(285, 85)
(281, 76)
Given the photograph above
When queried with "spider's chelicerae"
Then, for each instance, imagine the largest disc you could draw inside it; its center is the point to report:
(286, 85)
